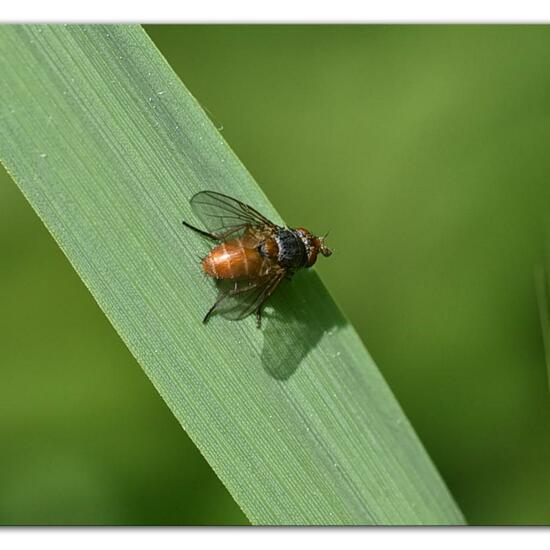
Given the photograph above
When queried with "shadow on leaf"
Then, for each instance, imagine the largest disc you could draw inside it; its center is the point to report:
(298, 315)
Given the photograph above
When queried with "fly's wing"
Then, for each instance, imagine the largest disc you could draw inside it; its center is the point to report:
(224, 216)
(239, 299)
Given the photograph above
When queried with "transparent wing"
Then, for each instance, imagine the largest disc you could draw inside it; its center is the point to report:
(224, 216)
(239, 299)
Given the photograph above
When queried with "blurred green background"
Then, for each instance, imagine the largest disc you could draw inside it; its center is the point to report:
(424, 149)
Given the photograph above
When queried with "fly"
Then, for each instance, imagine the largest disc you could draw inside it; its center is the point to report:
(252, 255)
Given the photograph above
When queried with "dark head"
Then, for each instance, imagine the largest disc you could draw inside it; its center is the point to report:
(313, 245)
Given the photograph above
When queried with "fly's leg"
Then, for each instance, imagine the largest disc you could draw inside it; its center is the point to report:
(221, 236)
(201, 232)
(259, 317)
(213, 308)
(225, 295)
(272, 287)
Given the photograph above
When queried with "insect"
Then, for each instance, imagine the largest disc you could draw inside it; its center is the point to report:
(253, 255)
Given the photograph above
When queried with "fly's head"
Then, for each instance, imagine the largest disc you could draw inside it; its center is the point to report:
(313, 245)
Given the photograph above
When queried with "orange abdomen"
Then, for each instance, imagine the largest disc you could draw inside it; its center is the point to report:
(231, 260)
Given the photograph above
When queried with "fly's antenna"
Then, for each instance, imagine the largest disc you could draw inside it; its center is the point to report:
(325, 250)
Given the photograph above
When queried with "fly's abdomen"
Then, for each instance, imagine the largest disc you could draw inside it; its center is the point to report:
(231, 260)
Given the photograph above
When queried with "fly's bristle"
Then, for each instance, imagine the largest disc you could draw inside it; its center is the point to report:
(208, 267)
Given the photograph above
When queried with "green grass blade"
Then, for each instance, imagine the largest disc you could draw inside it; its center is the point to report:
(108, 146)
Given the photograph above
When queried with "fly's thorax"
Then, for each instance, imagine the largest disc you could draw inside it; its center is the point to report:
(292, 252)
